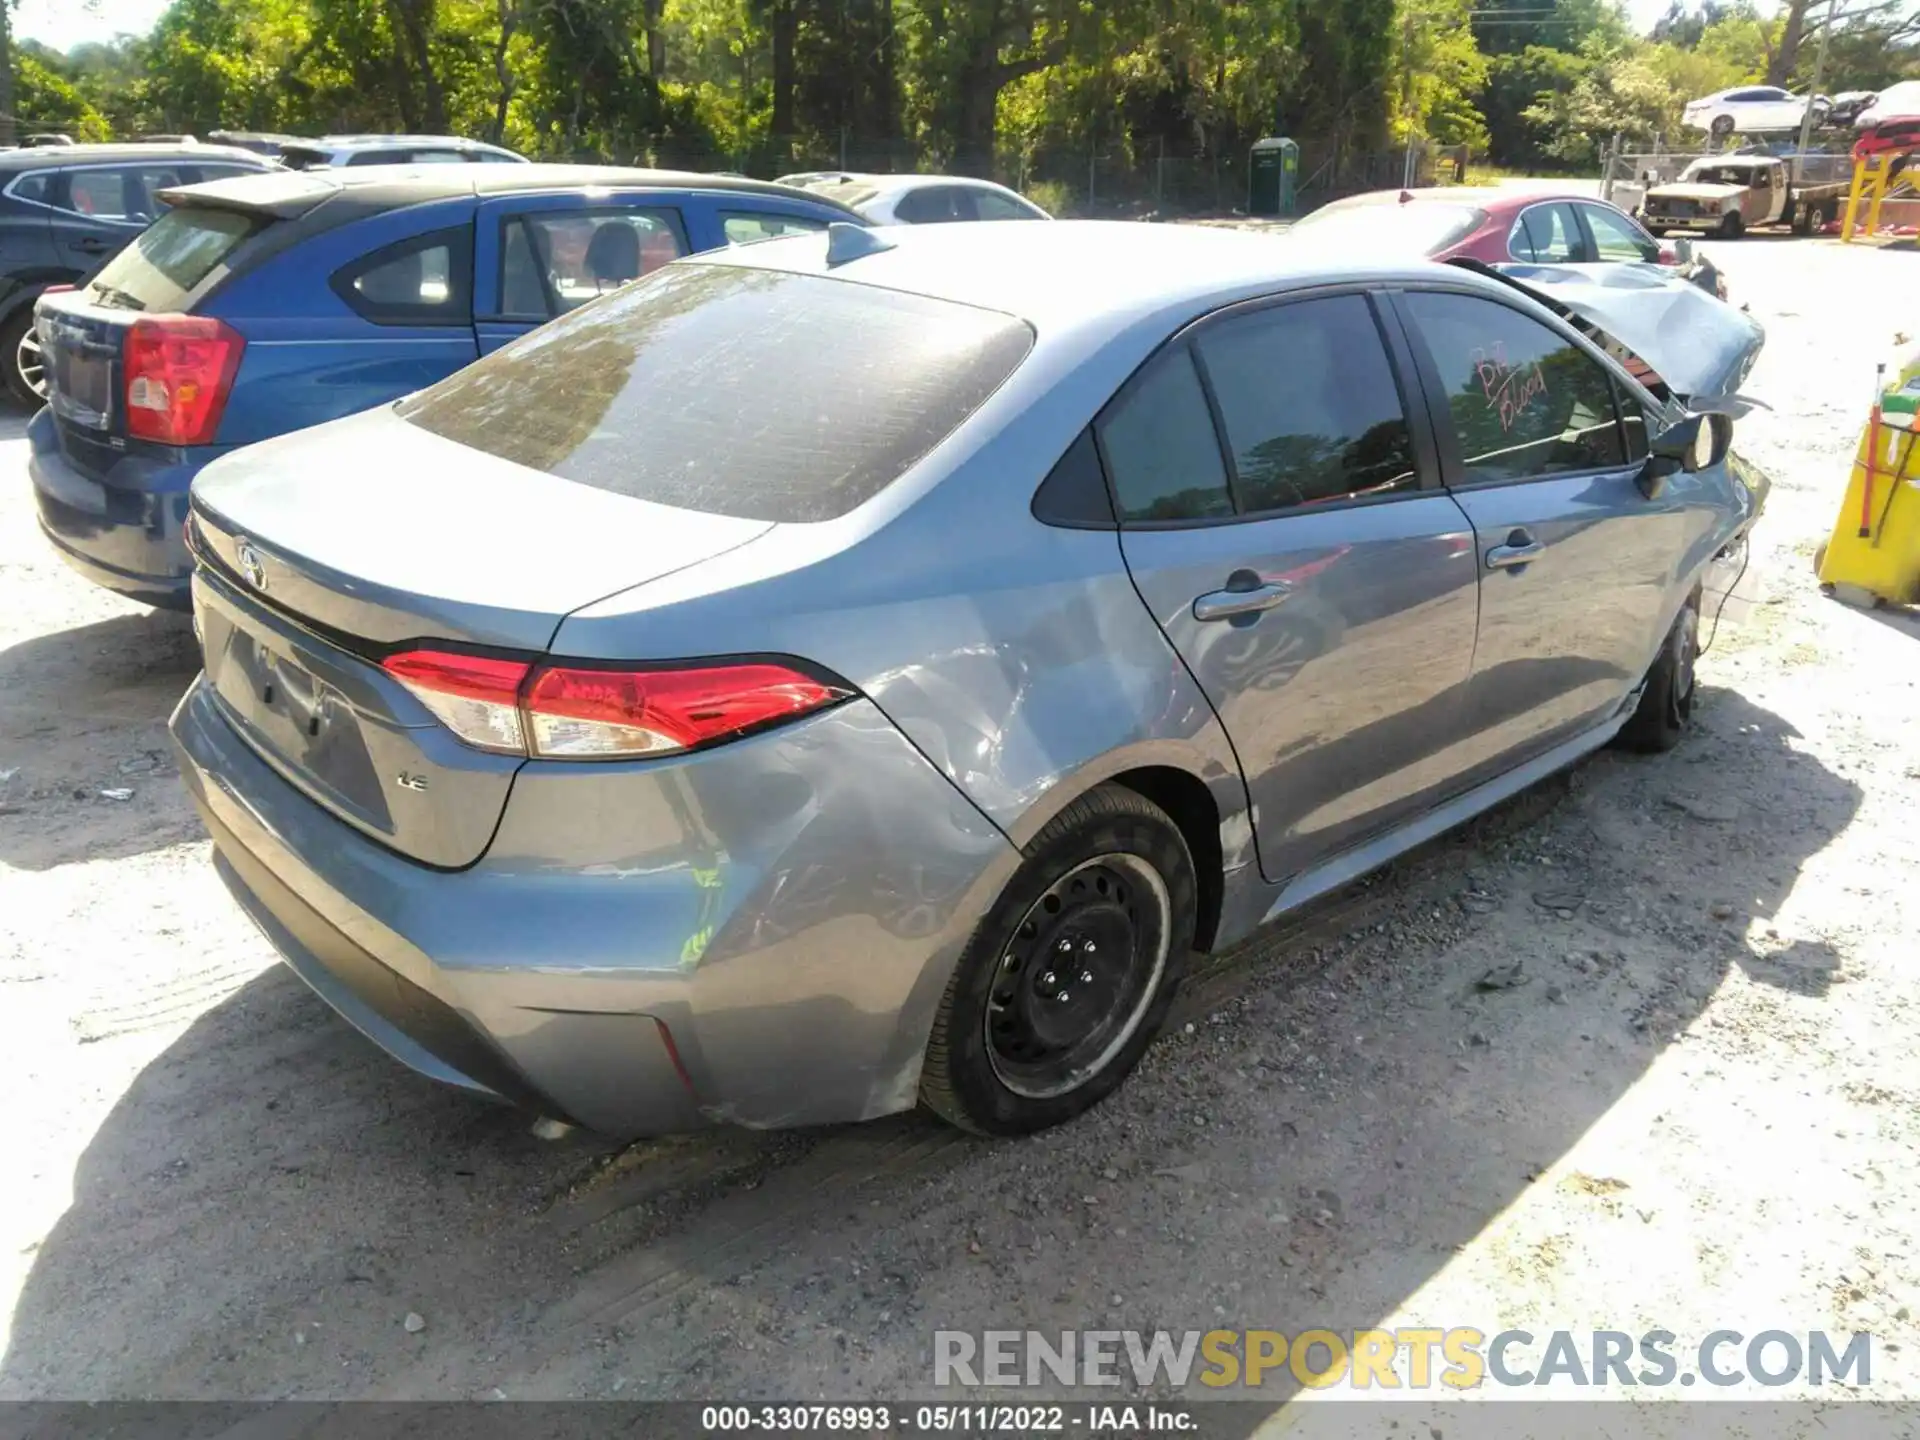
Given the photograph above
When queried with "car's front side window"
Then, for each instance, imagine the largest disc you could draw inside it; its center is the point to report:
(931, 205)
(1617, 238)
(1525, 401)
(1309, 403)
(1160, 447)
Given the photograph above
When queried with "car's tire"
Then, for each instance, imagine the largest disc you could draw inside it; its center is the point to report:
(1658, 232)
(1666, 703)
(1722, 127)
(1006, 1055)
(1803, 219)
(1732, 227)
(24, 375)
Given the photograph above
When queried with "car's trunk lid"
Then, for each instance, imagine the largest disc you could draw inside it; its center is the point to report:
(325, 551)
(81, 345)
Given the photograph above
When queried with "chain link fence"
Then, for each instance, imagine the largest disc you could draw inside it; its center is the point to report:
(1087, 181)
(1627, 175)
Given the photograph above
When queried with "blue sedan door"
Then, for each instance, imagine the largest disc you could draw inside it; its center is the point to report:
(1314, 577)
(538, 256)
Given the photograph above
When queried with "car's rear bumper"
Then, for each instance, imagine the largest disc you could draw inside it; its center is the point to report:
(123, 532)
(759, 934)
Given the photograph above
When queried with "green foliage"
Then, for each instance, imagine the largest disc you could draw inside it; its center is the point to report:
(46, 100)
(1044, 92)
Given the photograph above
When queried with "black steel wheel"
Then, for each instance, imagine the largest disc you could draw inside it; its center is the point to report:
(1666, 701)
(1075, 979)
(1068, 977)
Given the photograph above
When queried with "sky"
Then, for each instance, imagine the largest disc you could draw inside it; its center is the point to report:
(66, 23)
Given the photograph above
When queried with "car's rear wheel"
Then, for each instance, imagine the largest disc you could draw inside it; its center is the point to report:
(1666, 702)
(1804, 217)
(26, 370)
(1068, 978)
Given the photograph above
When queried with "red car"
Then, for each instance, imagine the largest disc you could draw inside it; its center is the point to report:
(1494, 225)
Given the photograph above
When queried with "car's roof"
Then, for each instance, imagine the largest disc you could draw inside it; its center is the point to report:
(893, 184)
(1495, 199)
(452, 142)
(45, 157)
(1073, 271)
(369, 189)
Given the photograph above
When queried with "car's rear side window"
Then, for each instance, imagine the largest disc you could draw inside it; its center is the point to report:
(171, 258)
(734, 391)
(746, 227)
(424, 280)
(1161, 449)
(1309, 404)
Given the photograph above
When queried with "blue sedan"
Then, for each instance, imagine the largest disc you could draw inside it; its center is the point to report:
(269, 303)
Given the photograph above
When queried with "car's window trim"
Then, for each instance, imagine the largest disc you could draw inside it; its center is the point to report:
(1453, 467)
(507, 218)
(1428, 461)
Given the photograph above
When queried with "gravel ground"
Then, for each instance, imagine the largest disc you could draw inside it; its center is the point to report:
(1691, 1106)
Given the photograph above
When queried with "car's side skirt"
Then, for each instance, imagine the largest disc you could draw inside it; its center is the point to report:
(1350, 865)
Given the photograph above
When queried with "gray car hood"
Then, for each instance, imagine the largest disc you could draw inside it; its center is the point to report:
(1702, 347)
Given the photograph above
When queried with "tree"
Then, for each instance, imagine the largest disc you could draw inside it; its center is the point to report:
(1437, 72)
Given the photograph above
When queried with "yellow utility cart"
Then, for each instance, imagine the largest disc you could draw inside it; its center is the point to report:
(1873, 555)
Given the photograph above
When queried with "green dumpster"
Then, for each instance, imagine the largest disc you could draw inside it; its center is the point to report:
(1273, 169)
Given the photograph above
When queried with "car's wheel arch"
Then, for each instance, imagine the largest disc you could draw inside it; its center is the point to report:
(1206, 801)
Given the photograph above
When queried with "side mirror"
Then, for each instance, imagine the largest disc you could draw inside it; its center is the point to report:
(1695, 443)
(1683, 250)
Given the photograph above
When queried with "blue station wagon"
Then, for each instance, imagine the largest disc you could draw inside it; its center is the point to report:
(269, 303)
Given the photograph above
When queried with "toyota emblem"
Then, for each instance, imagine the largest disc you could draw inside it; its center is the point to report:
(250, 566)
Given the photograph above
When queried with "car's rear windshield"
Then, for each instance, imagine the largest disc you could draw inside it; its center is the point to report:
(170, 259)
(1416, 228)
(736, 391)
(850, 194)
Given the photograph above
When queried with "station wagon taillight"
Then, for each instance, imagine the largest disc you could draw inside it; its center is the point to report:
(178, 370)
(574, 712)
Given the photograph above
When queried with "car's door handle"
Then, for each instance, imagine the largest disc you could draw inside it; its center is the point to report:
(1225, 604)
(90, 246)
(1519, 549)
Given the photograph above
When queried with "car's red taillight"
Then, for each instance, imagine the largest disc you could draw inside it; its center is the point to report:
(567, 712)
(475, 696)
(179, 369)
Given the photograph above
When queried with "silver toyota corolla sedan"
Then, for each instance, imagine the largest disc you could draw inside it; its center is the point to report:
(860, 669)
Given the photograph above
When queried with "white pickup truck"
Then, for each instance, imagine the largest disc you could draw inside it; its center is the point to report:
(1726, 195)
